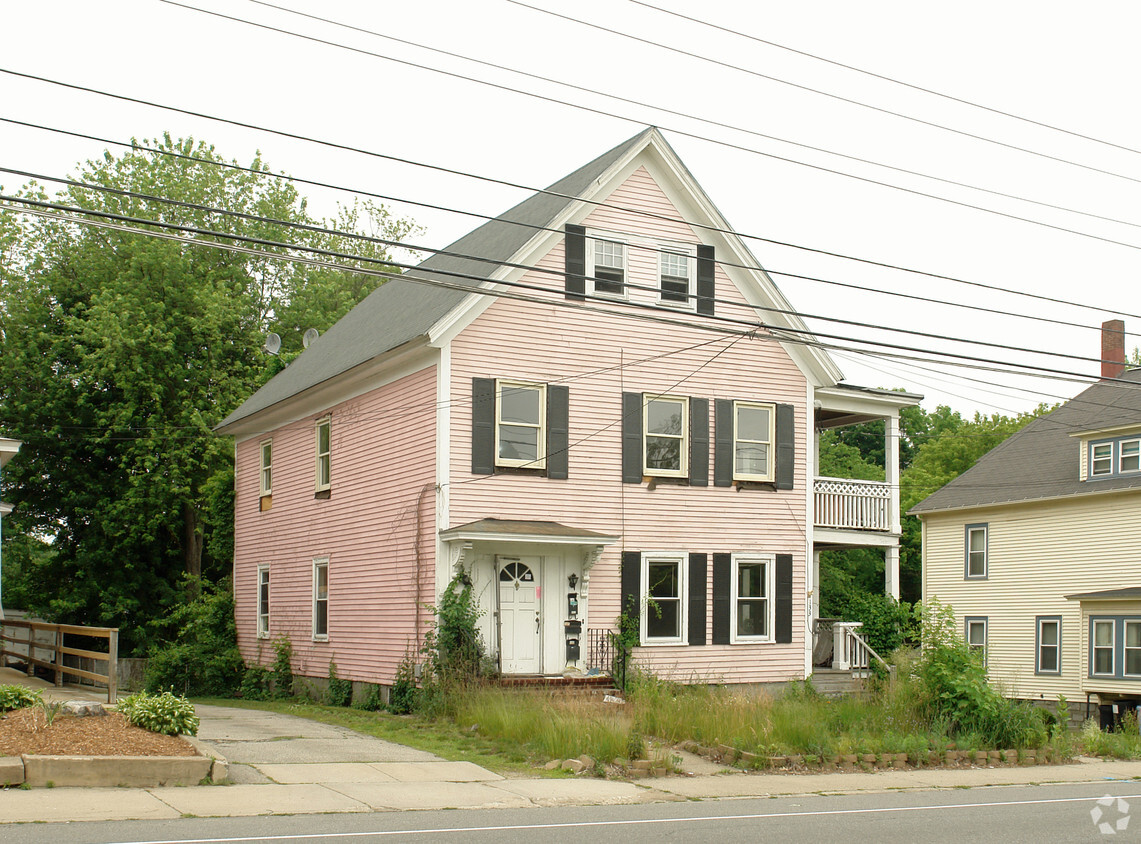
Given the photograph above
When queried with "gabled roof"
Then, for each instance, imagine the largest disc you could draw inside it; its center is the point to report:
(1041, 460)
(404, 311)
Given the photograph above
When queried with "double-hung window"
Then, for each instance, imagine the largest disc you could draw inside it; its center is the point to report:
(676, 274)
(753, 441)
(665, 439)
(520, 420)
(1113, 458)
(752, 599)
(1101, 460)
(1049, 639)
(263, 602)
(321, 598)
(1132, 648)
(1129, 456)
(976, 552)
(664, 607)
(1103, 646)
(324, 454)
(607, 266)
(976, 634)
(266, 482)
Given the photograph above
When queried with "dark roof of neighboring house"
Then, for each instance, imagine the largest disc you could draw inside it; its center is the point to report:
(402, 310)
(1041, 460)
(1129, 594)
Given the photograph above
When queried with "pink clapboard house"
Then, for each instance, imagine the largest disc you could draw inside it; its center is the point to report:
(597, 402)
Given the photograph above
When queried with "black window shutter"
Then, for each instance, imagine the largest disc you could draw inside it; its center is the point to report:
(786, 446)
(723, 442)
(699, 442)
(783, 625)
(722, 597)
(705, 284)
(558, 433)
(632, 583)
(575, 247)
(631, 438)
(698, 564)
(482, 426)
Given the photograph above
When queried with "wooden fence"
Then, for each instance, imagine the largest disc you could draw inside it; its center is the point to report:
(40, 639)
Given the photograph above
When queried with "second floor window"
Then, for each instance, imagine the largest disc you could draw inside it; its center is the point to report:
(267, 467)
(324, 454)
(976, 551)
(665, 439)
(520, 422)
(752, 441)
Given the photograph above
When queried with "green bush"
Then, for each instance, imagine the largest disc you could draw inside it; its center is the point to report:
(282, 667)
(372, 700)
(202, 656)
(255, 683)
(402, 697)
(17, 697)
(165, 713)
(340, 691)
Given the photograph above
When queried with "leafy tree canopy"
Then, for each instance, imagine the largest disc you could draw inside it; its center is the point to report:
(121, 352)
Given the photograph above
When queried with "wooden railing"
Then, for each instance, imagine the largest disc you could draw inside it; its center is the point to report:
(31, 648)
(850, 651)
(852, 505)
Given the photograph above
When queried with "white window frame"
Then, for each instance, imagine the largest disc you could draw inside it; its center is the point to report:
(592, 265)
(1106, 459)
(689, 252)
(1094, 647)
(540, 461)
(678, 560)
(263, 618)
(683, 471)
(969, 530)
(1125, 648)
(324, 480)
(770, 444)
(769, 562)
(265, 467)
(1121, 455)
(319, 564)
(976, 621)
(1040, 622)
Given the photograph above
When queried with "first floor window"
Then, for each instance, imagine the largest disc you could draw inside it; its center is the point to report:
(1049, 645)
(976, 550)
(519, 423)
(324, 454)
(321, 599)
(976, 635)
(263, 602)
(1102, 652)
(752, 599)
(665, 436)
(663, 616)
(1133, 648)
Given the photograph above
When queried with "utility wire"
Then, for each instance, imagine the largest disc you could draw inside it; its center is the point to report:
(811, 90)
(136, 145)
(548, 192)
(688, 116)
(120, 192)
(886, 78)
(646, 311)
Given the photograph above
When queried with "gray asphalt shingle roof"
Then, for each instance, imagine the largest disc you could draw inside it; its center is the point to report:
(401, 310)
(1041, 460)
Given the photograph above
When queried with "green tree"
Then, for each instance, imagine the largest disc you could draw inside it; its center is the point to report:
(121, 351)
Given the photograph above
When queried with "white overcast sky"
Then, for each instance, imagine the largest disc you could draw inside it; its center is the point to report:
(1067, 65)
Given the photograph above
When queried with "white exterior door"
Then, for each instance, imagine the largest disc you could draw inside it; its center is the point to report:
(519, 618)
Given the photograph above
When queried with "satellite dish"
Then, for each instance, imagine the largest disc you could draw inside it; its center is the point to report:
(272, 343)
(309, 336)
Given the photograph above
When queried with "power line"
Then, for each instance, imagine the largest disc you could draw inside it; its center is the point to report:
(677, 113)
(886, 78)
(809, 89)
(510, 264)
(642, 310)
(595, 203)
(135, 145)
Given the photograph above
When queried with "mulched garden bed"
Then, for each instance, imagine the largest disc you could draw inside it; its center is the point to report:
(26, 731)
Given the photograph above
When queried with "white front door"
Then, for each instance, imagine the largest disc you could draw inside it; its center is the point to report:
(519, 618)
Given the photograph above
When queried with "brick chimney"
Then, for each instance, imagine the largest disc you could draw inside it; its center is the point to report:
(1112, 348)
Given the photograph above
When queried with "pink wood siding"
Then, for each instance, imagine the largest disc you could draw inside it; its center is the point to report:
(599, 356)
(383, 496)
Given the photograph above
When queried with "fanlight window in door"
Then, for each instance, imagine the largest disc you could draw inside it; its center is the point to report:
(516, 573)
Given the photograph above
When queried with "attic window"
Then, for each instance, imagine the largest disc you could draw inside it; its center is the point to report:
(1115, 458)
(608, 268)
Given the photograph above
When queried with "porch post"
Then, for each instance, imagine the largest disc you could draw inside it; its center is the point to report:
(815, 585)
(891, 571)
(891, 469)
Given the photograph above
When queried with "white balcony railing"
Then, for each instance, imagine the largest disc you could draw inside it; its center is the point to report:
(852, 505)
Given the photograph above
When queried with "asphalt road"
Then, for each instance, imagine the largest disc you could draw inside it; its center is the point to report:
(1009, 814)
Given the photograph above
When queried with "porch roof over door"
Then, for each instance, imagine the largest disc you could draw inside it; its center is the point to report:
(525, 530)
